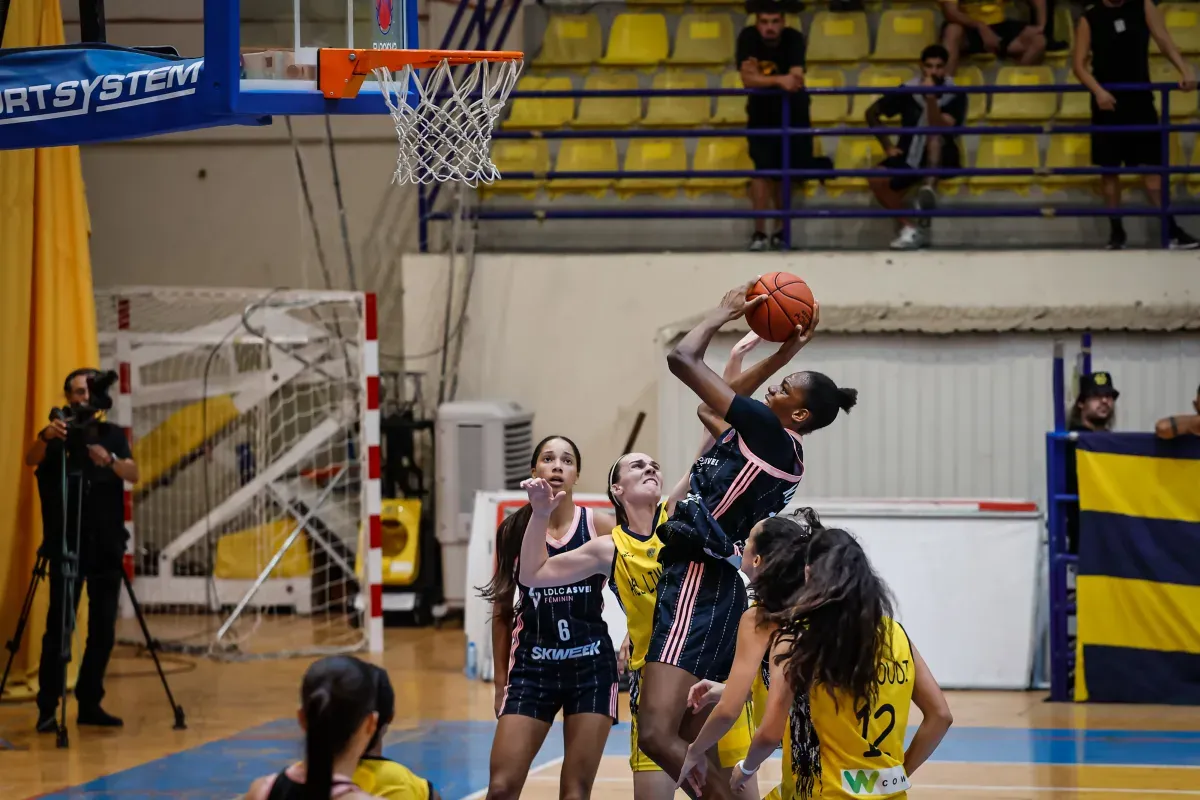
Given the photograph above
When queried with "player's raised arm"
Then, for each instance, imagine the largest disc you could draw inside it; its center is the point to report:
(686, 360)
(538, 570)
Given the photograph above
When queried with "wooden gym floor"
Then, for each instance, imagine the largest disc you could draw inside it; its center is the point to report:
(1004, 745)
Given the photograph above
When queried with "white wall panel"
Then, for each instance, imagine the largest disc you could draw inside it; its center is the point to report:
(955, 416)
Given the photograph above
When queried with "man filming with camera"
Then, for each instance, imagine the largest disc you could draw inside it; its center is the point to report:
(82, 463)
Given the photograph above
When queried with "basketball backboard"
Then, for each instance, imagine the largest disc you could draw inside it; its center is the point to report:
(272, 48)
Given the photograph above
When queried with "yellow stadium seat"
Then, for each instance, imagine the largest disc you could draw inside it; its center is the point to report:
(731, 109)
(1193, 180)
(1064, 31)
(1069, 150)
(1183, 104)
(854, 152)
(838, 36)
(1075, 105)
(530, 113)
(637, 40)
(609, 112)
(719, 154)
(1037, 106)
(903, 34)
(518, 155)
(1005, 152)
(678, 112)
(584, 155)
(571, 40)
(653, 155)
(971, 75)
(1183, 23)
(703, 39)
(827, 109)
(655, 2)
(243, 554)
(790, 20)
(876, 78)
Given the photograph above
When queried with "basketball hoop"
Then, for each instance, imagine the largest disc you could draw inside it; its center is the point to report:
(446, 135)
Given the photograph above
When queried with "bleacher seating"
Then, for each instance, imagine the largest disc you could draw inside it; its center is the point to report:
(653, 155)
(703, 40)
(689, 44)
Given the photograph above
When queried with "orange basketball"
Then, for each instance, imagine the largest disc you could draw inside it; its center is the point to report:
(789, 303)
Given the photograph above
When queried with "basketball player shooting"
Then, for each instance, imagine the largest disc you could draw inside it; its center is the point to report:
(749, 473)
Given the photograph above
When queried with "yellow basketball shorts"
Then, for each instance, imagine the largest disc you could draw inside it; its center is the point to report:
(732, 748)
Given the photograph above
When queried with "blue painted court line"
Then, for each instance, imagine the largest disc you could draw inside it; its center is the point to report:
(454, 756)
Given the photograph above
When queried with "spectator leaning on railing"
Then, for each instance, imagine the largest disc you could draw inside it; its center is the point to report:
(974, 28)
(1180, 424)
(771, 55)
(914, 151)
(1116, 34)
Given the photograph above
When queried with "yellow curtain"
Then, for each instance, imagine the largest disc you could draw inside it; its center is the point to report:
(47, 329)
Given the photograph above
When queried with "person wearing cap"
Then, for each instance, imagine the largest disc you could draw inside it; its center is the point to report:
(381, 776)
(1180, 424)
(1094, 411)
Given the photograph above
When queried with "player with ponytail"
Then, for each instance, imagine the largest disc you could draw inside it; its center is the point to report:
(339, 717)
(839, 644)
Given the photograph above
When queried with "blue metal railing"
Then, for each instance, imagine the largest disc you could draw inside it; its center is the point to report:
(789, 172)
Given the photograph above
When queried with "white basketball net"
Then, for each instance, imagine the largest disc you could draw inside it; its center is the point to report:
(447, 135)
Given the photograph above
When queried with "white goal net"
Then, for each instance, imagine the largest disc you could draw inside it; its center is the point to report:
(250, 424)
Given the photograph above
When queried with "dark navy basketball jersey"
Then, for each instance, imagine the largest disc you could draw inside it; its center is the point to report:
(732, 489)
(563, 624)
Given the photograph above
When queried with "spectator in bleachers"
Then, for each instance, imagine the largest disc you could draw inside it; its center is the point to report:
(771, 55)
(1116, 34)
(1180, 424)
(1095, 411)
(939, 110)
(974, 28)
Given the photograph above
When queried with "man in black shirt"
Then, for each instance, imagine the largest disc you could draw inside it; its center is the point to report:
(771, 55)
(917, 151)
(1116, 34)
(97, 463)
(968, 33)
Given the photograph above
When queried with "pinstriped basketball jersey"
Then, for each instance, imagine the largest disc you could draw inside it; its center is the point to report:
(731, 490)
(563, 624)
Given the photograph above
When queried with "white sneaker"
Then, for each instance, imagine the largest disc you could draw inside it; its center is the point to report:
(910, 238)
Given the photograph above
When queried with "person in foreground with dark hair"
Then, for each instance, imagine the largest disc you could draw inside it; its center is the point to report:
(339, 717)
(561, 656)
(381, 776)
(839, 642)
(774, 562)
(918, 151)
(750, 473)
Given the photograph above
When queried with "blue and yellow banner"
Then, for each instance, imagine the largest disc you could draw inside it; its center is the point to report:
(1138, 586)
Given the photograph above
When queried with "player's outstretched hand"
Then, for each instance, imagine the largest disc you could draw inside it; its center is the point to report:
(694, 772)
(801, 335)
(541, 495)
(705, 693)
(737, 302)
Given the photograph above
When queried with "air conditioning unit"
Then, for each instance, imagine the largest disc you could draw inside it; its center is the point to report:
(481, 446)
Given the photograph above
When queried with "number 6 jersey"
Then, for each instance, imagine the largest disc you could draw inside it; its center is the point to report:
(561, 654)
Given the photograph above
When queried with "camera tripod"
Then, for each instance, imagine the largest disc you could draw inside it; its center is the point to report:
(68, 565)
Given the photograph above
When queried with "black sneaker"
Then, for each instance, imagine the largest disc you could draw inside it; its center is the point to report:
(1182, 240)
(46, 722)
(758, 242)
(777, 241)
(1116, 239)
(926, 201)
(95, 715)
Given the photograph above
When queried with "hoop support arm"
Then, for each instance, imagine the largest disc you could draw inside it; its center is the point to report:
(341, 71)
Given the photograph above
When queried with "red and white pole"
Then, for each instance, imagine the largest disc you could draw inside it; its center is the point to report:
(123, 416)
(372, 484)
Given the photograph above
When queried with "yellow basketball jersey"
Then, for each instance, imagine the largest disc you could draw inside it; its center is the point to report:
(787, 789)
(386, 779)
(635, 576)
(862, 748)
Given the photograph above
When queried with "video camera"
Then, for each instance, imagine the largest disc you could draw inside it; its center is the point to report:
(79, 416)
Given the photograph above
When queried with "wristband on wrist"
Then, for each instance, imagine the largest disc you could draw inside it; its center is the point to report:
(741, 766)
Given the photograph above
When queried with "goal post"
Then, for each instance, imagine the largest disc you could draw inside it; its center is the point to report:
(253, 416)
